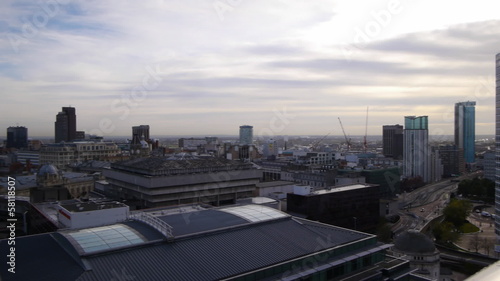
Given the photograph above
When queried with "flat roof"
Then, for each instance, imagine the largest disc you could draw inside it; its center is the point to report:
(91, 206)
(340, 189)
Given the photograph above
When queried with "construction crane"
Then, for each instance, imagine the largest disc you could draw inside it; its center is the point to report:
(313, 146)
(348, 141)
(365, 144)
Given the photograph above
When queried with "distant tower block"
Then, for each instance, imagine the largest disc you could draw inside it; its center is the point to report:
(246, 135)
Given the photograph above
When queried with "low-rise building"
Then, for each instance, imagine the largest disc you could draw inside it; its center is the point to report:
(353, 206)
(182, 179)
(242, 242)
(63, 154)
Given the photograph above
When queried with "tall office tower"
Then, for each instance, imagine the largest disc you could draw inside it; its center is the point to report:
(140, 131)
(17, 137)
(392, 139)
(465, 133)
(497, 151)
(65, 125)
(416, 152)
(246, 135)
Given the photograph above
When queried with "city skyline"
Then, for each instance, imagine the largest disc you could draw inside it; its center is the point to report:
(286, 68)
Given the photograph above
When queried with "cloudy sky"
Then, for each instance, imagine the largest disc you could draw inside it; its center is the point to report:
(205, 67)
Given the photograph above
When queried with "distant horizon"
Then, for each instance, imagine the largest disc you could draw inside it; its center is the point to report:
(193, 69)
(255, 137)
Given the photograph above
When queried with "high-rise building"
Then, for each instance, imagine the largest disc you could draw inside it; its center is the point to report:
(392, 138)
(139, 146)
(416, 152)
(497, 138)
(17, 137)
(65, 125)
(270, 148)
(465, 134)
(138, 132)
(246, 135)
(452, 159)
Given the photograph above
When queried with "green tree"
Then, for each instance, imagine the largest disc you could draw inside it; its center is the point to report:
(457, 212)
(445, 232)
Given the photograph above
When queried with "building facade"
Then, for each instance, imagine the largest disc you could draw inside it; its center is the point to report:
(497, 146)
(17, 137)
(270, 148)
(65, 125)
(452, 159)
(246, 135)
(416, 154)
(465, 132)
(160, 181)
(353, 206)
(392, 138)
(63, 154)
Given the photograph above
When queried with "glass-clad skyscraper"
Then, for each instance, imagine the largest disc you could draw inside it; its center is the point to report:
(246, 135)
(465, 129)
(416, 153)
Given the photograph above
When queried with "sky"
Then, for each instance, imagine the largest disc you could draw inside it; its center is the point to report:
(206, 67)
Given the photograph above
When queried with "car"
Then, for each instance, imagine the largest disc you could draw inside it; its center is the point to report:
(478, 211)
(485, 214)
(422, 210)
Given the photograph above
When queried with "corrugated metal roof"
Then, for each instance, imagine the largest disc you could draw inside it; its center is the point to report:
(219, 255)
(212, 256)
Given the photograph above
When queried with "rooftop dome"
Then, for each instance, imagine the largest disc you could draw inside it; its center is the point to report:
(48, 169)
(414, 242)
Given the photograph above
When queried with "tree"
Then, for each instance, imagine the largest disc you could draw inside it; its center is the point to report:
(445, 232)
(474, 243)
(457, 212)
(487, 244)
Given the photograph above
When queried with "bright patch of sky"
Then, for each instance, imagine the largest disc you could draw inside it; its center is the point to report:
(205, 67)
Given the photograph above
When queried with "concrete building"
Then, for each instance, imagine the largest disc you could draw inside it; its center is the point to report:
(183, 179)
(452, 159)
(246, 135)
(17, 137)
(497, 174)
(241, 152)
(65, 125)
(436, 165)
(242, 242)
(465, 132)
(353, 206)
(31, 157)
(78, 215)
(63, 154)
(270, 149)
(51, 184)
(489, 165)
(140, 145)
(54, 185)
(392, 141)
(416, 154)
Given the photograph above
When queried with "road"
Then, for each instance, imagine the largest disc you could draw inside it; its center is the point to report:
(423, 204)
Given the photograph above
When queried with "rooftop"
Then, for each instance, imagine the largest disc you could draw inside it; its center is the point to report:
(210, 244)
(336, 189)
(75, 207)
(179, 165)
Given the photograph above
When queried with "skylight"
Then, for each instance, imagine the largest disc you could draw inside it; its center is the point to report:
(103, 238)
(255, 213)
